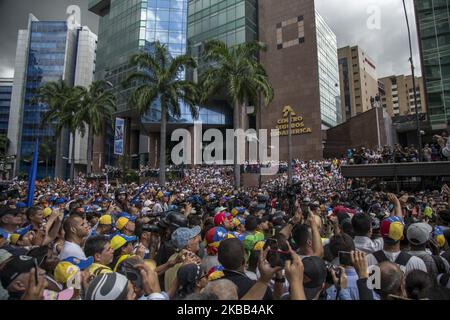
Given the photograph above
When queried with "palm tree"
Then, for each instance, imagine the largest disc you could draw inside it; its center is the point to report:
(159, 80)
(98, 107)
(237, 73)
(64, 103)
(47, 150)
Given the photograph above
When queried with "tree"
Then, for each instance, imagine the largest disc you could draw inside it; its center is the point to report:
(64, 102)
(98, 107)
(4, 144)
(158, 79)
(237, 73)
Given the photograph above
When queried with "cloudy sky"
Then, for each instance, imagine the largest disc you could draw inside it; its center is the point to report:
(378, 26)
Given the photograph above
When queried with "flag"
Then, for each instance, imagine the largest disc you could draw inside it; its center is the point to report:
(32, 176)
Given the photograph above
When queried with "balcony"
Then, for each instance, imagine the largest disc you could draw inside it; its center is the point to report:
(99, 7)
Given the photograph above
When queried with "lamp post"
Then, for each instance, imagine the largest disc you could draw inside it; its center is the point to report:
(419, 134)
(290, 149)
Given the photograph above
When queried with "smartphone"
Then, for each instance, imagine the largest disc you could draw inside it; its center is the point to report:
(35, 270)
(345, 258)
(305, 211)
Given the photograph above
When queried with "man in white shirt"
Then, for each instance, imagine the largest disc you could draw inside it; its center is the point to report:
(392, 232)
(362, 226)
(76, 230)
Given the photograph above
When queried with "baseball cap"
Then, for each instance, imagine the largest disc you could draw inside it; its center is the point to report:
(15, 267)
(392, 229)
(316, 272)
(439, 236)
(82, 264)
(120, 240)
(419, 233)
(65, 271)
(181, 236)
(21, 205)
(123, 220)
(220, 217)
(106, 220)
(428, 212)
(220, 209)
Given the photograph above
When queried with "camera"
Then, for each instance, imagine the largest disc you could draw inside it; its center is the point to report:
(330, 267)
(150, 228)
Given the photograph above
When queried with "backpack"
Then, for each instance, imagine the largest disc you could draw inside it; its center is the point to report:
(402, 259)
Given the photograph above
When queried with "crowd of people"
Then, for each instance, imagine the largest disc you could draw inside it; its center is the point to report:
(199, 238)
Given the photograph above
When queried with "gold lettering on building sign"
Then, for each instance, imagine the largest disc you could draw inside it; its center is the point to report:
(297, 123)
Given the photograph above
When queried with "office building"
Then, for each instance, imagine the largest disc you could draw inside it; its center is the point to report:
(398, 97)
(46, 51)
(433, 25)
(358, 81)
(6, 86)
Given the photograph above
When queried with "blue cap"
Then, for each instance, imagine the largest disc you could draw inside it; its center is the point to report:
(60, 201)
(181, 236)
(166, 194)
(21, 205)
(82, 264)
(51, 199)
(23, 231)
(126, 215)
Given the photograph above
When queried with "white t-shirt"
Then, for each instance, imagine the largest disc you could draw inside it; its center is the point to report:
(367, 245)
(414, 263)
(71, 249)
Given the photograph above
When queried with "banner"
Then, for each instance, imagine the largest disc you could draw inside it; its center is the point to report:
(119, 134)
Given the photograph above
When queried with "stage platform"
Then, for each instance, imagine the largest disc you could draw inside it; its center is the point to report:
(397, 170)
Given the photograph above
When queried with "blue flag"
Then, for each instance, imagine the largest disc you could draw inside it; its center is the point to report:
(32, 176)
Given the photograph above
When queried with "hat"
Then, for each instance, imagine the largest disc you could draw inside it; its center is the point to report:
(316, 271)
(47, 212)
(5, 210)
(65, 271)
(220, 217)
(105, 220)
(391, 229)
(82, 264)
(219, 209)
(181, 236)
(66, 294)
(14, 268)
(118, 241)
(21, 205)
(215, 273)
(123, 220)
(213, 238)
(428, 212)
(439, 236)
(419, 233)
(188, 275)
(60, 201)
(160, 194)
(4, 255)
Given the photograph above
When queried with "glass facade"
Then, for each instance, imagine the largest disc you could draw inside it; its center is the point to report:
(46, 62)
(328, 73)
(231, 21)
(5, 104)
(433, 18)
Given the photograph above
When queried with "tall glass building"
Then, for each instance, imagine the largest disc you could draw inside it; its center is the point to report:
(46, 51)
(328, 74)
(433, 24)
(230, 21)
(6, 86)
(127, 27)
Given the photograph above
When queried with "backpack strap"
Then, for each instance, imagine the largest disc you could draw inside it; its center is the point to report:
(380, 256)
(440, 265)
(403, 258)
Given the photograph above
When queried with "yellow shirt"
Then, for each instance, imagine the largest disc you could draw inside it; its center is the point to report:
(96, 269)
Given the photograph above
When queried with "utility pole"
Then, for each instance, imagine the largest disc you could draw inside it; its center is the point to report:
(419, 133)
(290, 149)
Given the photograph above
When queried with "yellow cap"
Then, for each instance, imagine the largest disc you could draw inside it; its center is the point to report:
(160, 194)
(47, 212)
(13, 238)
(259, 245)
(65, 271)
(121, 259)
(121, 223)
(105, 220)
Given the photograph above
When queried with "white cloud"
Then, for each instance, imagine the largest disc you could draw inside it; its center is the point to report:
(388, 45)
